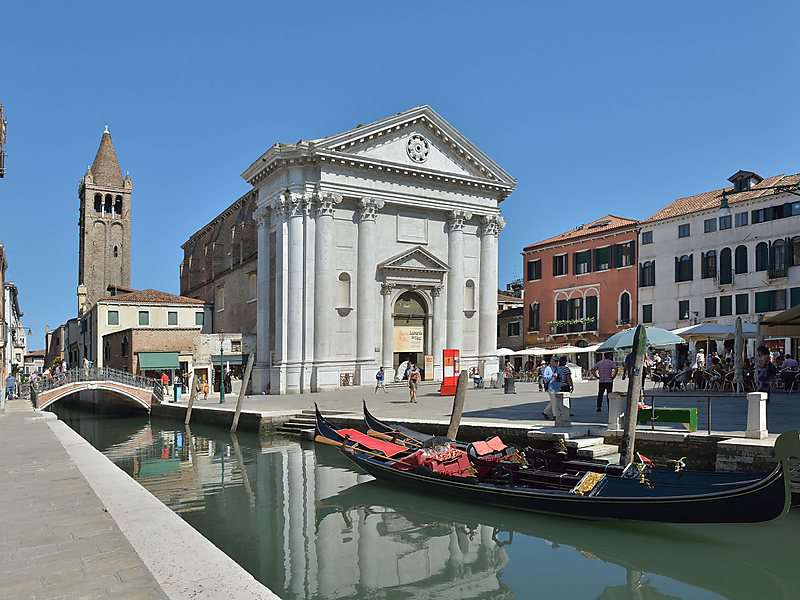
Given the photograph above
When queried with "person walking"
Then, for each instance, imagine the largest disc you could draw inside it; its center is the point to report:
(413, 380)
(606, 371)
(380, 381)
(765, 370)
(11, 386)
(552, 385)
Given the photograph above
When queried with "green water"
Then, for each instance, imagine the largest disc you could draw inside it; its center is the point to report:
(307, 525)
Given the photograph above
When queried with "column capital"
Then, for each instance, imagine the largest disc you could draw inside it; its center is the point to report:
(289, 204)
(325, 202)
(368, 208)
(261, 215)
(387, 288)
(492, 225)
(456, 220)
(436, 291)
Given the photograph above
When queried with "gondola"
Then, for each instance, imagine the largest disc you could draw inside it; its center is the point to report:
(326, 433)
(584, 494)
(554, 460)
(397, 431)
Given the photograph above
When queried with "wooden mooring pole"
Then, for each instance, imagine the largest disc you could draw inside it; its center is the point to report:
(626, 448)
(192, 395)
(247, 371)
(458, 406)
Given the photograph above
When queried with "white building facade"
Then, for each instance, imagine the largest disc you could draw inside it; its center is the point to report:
(375, 246)
(722, 254)
(14, 332)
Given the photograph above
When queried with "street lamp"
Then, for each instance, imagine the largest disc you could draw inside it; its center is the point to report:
(221, 369)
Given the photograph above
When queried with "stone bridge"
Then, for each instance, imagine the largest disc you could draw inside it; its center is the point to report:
(141, 391)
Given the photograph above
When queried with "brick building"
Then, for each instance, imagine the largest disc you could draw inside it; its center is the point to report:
(148, 351)
(580, 286)
(219, 267)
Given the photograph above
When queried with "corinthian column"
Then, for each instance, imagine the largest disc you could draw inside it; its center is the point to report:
(261, 368)
(324, 302)
(487, 294)
(455, 278)
(365, 290)
(387, 344)
(295, 206)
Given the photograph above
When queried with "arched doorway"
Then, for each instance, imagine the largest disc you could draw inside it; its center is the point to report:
(410, 316)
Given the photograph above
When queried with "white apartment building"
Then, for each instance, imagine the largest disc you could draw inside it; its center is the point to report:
(721, 254)
(140, 309)
(14, 332)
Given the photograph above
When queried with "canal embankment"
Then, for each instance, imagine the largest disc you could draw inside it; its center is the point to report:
(514, 418)
(75, 525)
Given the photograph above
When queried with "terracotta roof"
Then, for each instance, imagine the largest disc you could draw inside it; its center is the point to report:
(152, 297)
(601, 225)
(712, 199)
(105, 168)
(34, 353)
(508, 298)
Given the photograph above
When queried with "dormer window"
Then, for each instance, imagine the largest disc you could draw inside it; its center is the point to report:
(744, 180)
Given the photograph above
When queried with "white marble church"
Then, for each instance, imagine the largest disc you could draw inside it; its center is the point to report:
(376, 246)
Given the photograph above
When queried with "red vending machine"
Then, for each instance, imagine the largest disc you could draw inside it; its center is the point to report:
(451, 368)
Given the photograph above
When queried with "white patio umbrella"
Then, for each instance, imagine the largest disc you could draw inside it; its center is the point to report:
(504, 352)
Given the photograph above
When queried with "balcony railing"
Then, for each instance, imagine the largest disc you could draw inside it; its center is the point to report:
(777, 271)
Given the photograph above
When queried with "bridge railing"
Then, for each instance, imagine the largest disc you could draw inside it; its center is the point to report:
(96, 374)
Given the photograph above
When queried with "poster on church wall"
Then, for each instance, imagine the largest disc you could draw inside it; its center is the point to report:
(429, 367)
(408, 338)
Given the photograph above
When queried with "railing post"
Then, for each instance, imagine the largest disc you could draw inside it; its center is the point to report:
(563, 409)
(756, 416)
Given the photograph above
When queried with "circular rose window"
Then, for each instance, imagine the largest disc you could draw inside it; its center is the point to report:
(418, 148)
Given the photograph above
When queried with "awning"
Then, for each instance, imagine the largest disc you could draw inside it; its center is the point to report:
(154, 361)
(786, 323)
(233, 359)
(703, 331)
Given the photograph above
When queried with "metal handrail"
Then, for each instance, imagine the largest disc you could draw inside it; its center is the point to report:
(78, 375)
(708, 395)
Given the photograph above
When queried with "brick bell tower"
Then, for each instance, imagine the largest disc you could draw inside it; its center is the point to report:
(105, 227)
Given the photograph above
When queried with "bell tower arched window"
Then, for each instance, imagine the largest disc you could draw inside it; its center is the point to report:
(98, 203)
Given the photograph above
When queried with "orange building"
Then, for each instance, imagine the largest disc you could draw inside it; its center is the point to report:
(580, 286)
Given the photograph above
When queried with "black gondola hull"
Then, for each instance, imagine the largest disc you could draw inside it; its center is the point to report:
(764, 500)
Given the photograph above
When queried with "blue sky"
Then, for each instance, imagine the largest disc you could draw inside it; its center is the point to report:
(593, 107)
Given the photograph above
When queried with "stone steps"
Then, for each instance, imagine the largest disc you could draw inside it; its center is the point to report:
(584, 442)
(597, 451)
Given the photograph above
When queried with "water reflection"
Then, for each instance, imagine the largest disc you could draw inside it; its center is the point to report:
(309, 527)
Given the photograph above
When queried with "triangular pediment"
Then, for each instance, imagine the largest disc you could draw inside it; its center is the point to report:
(417, 138)
(416, 259)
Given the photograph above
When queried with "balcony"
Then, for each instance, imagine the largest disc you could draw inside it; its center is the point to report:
(777, 271)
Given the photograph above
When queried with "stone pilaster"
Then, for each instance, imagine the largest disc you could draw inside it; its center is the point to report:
(294, 207)
(387, 344)
(438, 333)
(455, 278)
(324, 309)
(366, 288)
(261, 367)
(487, 294)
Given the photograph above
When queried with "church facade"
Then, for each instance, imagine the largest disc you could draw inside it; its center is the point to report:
(375, 247)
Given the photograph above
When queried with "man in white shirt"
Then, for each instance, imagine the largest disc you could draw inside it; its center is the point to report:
(547, 376)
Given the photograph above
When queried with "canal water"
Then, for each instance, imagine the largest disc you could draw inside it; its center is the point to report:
(308, 525)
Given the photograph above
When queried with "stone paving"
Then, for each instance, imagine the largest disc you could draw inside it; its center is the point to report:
(56, 538)
(524, 407)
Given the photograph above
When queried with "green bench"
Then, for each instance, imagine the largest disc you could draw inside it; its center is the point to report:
(685, 416)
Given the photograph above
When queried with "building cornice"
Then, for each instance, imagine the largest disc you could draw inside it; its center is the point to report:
(211, 225)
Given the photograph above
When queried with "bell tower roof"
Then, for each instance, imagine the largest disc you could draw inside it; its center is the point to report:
(105, 168)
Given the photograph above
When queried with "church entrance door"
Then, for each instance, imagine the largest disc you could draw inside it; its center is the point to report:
(410, 332)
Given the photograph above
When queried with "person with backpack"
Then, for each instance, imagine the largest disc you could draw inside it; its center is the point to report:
(380, 381)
